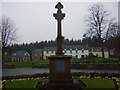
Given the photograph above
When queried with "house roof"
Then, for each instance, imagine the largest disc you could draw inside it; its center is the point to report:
(97, 49)
(73, 47)
(50, 48)
(78, 47)
(113, 50)
(37, 50)
(21, 54)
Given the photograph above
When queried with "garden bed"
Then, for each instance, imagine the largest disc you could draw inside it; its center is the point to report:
(93, 80)
(30, 83)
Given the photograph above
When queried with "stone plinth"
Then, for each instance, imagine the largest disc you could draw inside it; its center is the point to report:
(60, 75)
(59, 68)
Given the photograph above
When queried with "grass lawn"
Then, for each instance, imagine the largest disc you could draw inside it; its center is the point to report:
(98, 83)
(28, 63)
(91, 83)
(22, 84)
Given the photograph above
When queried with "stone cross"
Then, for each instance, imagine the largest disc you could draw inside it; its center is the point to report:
(59, 16)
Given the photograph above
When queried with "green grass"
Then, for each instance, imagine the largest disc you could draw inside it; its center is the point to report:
(22, 84)
(90, 82)
(27, 63)
(98, 83)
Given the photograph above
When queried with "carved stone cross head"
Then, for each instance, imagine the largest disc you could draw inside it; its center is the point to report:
(59, 6)
(59, 15)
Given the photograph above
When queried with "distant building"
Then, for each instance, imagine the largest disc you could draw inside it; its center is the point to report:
(37, 54)
(114, 53)
(97, 51)
(76, 51)
(7, 57)
(21, 56)
(47, 51)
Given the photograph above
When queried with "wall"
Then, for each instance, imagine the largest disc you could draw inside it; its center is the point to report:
(100, 54)
(78, 53)
(48, 53)
(27, 58)
(36, 55)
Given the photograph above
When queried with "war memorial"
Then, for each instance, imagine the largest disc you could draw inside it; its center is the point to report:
(60, 70)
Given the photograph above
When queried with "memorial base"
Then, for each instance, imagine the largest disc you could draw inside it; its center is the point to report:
(74, 85)
(60, 75)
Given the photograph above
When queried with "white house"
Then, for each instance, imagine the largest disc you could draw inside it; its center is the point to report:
(97, 51)
(47, 51)
(76, 51)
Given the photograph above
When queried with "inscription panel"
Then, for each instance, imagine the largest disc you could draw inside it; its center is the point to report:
(60, 66)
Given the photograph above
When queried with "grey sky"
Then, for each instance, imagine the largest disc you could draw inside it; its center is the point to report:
(35, 21)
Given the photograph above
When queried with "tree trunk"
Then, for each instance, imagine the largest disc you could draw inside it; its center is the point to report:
(103, 55)
(102, 45)
(3, 54)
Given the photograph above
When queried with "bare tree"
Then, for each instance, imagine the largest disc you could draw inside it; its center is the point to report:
(8, 31)
(99, 24)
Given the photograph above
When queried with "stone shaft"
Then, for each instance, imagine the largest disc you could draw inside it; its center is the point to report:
(59, 16)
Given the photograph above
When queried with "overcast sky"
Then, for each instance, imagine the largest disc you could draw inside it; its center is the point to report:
(35, 21)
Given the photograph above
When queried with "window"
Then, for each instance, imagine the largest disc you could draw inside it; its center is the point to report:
(97, 55)
(76, 51)
(82, 56)
(76, 56)
(70, 50)
(64, 50)
(52, 51)
(24, 58)
(47, 51)
(19, 59)
(82, 50)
